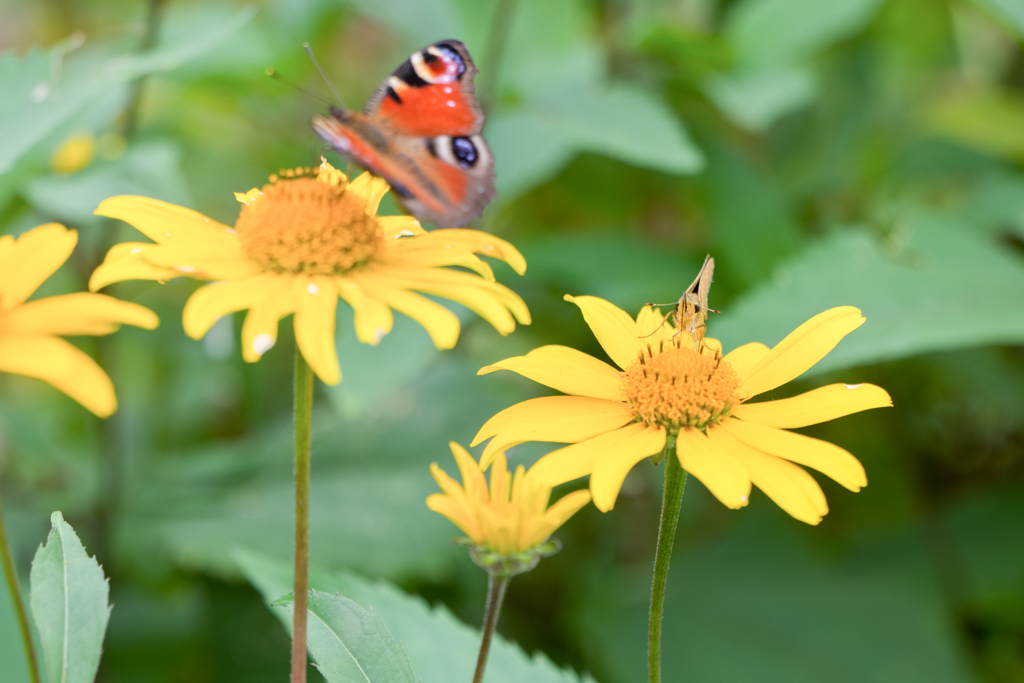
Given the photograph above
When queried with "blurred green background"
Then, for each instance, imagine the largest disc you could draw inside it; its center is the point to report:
(863, 152)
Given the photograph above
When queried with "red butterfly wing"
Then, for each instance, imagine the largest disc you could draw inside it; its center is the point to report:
(431, 94)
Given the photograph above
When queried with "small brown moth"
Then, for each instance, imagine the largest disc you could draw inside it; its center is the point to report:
(691, 311)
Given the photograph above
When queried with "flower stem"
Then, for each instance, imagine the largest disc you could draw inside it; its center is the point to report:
(303, 419)
(19, 603)
(672, 499)
(496, 586)
(497, 39)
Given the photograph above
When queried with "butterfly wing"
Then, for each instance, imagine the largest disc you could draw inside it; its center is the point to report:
(421, 131)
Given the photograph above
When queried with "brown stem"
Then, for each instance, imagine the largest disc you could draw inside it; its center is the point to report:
(303, 419)
(496, 586)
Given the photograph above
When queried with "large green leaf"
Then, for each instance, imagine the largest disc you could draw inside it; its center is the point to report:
(351, 645)
(769, 32)
(440, 647)
(932, 286)
(69, 605)
(42, 92)
(754, 99)
(761, 598)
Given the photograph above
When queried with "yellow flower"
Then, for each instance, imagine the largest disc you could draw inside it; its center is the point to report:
(669, 390)
(29, 341)
(74, 154)
(510, 516)
(300, 243)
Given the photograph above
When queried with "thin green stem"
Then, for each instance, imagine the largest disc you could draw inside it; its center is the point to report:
(672, 499)
(19, 603)
(154, 9)
(496, 587)
(497, 39)
(303, 420)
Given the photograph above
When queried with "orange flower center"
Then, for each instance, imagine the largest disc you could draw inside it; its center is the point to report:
(308, 222)
(676, 387)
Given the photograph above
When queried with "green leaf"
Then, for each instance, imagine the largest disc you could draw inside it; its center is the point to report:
(69, 605)
(761, 598)
(1010, 11)
(150, 169)
(771, 32)
(932, 286)
(754, 99)
(42, 93)
(989, 121)
(351, 645)
(439, 646)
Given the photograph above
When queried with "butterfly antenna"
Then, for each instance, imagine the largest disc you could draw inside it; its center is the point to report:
(278, 77)
(323, 74)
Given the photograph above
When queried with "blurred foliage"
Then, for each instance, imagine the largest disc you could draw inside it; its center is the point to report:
(865, 152)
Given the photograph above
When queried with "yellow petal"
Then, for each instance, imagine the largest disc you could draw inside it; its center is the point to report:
(501, 483)
(578, 460)
(211, 261)
(124, 262)
(562, 419)
(441, 324)
(396, 227)
(480, 243)
(259, 331)
(567, 506)
(790, 487)
(438, 257)
(458, 515)
(62, 365)
(166, 223)
(614, 464)
(449, 486)
(79, 313)
(614, 329)
(210, 303)
(373, 319)
(827, 458)
(486, 299)
(801, 349)
(716, 468)
(745, 357)
(653, 327)
(812, 407)
(32, 258)
(315, 313)
(565, 369)
(473, 481)
(371, 189)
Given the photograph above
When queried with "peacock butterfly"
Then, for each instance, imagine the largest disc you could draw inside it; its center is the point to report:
(421, 132)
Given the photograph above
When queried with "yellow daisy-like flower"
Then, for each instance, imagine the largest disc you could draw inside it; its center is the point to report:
(667, 389)
(304, 240)
(29, 332)
(511, 515)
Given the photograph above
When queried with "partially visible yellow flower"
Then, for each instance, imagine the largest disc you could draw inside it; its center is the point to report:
(29, 341)
(511, 515)
(74, 154)
(300, 243)
(667, 390)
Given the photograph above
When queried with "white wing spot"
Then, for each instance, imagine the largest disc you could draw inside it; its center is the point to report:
(852, 387)
(312, 288)
(448, 90)
(450, 103)
(262, 343)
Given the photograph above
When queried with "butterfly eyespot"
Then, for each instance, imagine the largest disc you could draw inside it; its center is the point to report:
(465, 151)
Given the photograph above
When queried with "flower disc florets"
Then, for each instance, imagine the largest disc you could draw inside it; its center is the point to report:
(307, 222)
(675, 386)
